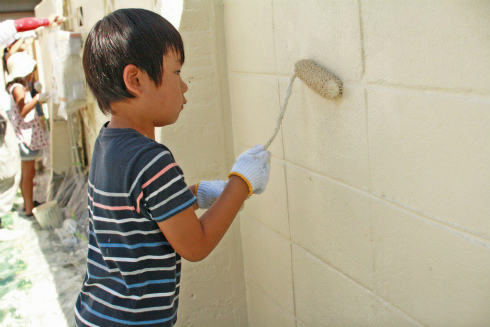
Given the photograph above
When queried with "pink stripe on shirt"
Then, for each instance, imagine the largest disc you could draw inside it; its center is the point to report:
(114, 208)
(160, 173)
(138, 202)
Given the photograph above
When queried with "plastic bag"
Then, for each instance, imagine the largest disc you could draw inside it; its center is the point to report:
(78, 200)
(41, 182)
(65, 49)
(53, 186)
(67, 234)
(66, 188)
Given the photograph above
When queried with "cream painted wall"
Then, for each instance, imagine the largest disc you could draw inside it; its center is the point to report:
(377, 211)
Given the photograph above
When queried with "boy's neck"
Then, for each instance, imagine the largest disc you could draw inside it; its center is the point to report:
(142, 127)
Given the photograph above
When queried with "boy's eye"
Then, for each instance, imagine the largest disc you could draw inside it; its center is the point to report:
(178, 72)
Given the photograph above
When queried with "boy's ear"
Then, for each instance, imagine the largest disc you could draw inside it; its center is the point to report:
(132, 77)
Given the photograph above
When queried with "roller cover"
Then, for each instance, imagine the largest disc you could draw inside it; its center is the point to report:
(318, 79)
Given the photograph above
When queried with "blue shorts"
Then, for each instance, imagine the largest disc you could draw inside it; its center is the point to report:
(39, 110)
(27, 154)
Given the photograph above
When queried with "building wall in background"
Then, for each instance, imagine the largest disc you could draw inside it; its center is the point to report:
(59, 135)
(377, 211)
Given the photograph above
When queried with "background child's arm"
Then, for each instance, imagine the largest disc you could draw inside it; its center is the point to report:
(19, 97)
(194, 238)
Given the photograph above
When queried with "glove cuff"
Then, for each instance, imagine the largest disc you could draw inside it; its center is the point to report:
(250, 188)
(206, 193)
(201, 191)
(196, 187)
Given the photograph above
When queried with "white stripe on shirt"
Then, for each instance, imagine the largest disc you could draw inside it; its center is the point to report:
(135, 181)
(129, 273)
(117, 221)
(132, 297)
(163, 187)
(116, 307)
(124, 259)
(83, 320)
(113, 232)
(169, 198)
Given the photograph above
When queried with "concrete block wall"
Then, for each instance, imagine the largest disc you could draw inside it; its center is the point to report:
(377, 210)
(213, 290)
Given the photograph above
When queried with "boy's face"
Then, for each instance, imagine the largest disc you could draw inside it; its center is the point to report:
(166, 101)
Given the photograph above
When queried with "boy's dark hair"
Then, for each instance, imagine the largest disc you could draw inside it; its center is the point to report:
(127, 36)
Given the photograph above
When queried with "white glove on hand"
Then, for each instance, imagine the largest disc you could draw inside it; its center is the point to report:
(38, 87)
(28, 35)
(253, 166)
(45, 96)
(208, 191)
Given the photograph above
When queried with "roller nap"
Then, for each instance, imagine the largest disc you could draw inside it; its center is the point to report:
(318, 79)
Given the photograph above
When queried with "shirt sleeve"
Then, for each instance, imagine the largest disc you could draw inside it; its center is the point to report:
(7, 32)
(161, 189)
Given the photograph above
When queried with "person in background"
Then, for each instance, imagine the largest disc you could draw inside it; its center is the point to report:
(9, 28)
(30, 135)
(9, 165)
(34, 87)
(9, 151)
(19, 43)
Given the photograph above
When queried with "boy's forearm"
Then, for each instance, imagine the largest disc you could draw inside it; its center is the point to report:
(194, 238)
(218, 218)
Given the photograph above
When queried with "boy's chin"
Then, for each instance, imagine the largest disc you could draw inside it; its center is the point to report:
(166, 123)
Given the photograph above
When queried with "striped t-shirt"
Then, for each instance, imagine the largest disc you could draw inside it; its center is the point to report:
(133, 274)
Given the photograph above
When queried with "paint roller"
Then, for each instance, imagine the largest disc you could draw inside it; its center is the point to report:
(316, 78)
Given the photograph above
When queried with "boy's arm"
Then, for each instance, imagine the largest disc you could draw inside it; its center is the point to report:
(194, 238)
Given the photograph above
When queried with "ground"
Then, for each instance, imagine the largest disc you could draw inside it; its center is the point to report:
(40, 276)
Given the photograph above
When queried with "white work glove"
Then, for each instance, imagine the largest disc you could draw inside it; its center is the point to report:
(208, 191)
(28, 34)
(45, 96)
(38, 87)
(253, 166)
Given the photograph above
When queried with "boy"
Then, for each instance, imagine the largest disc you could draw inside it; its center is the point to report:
(142, 216)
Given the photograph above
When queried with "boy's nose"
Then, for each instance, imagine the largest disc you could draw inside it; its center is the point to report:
(184, 87)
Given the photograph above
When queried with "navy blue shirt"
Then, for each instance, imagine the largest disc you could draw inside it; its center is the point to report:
(133, 273)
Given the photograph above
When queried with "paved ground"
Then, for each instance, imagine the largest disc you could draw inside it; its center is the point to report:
(39, 276)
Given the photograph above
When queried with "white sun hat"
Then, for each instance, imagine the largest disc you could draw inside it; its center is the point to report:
(20, 64)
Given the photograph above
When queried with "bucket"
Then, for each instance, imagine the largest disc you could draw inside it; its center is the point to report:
(48, 215)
